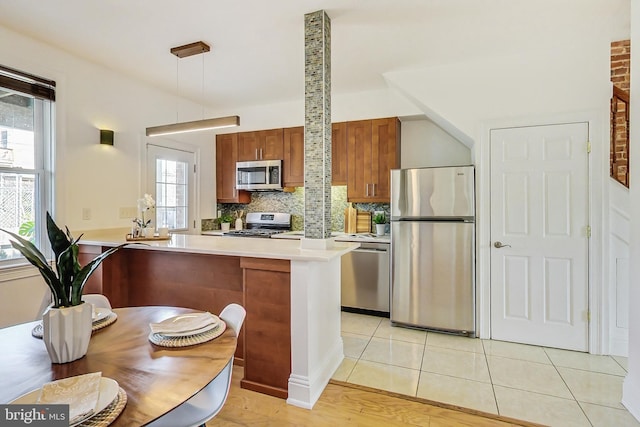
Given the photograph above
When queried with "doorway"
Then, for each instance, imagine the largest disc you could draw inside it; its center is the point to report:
(539, 233)
(171, 182)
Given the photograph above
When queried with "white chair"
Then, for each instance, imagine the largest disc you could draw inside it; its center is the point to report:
(209, 401)
(98, 300)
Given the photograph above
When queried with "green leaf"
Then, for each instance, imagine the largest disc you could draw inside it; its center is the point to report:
(58, 239)
(35, 257)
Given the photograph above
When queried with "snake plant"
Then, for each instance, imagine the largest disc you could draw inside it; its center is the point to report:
(68, 279)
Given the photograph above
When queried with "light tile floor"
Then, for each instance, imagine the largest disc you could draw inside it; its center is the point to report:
(538, 384)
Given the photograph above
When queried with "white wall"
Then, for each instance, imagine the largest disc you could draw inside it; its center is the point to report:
(618, 268)
(631, 386)
(90, 97)
(538, 85)
(425, 144)
(21, 293)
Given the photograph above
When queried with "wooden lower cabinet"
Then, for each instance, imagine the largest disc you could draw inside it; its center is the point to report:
(134, 277)
(267, 327)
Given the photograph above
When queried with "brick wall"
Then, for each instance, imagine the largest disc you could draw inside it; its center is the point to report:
(620, 77)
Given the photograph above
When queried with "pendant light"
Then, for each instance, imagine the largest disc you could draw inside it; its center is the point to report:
(196, 48)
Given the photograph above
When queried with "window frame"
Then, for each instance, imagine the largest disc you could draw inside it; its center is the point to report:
(42, 91)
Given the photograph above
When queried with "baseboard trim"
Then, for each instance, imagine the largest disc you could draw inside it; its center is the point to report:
(631, 397)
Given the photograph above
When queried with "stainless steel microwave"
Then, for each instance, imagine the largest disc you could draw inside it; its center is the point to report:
(259, 175)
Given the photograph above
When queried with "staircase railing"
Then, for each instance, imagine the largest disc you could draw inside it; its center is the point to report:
(619, 148)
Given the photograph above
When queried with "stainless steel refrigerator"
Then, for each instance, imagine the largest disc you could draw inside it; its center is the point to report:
(433, 248)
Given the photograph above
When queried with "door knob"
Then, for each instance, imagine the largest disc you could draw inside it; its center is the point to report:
(500, 245)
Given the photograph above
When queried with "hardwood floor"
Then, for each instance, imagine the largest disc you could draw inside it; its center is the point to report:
(345, 405)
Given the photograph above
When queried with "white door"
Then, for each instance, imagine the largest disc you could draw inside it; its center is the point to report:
(171, 181)
(539, 212)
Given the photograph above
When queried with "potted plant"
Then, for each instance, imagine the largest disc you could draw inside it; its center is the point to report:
(67, 322)
(380, 220)
(225, 221)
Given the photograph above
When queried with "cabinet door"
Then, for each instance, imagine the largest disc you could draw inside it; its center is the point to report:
(293, 162)
(271, 147)
(339, 153)
(226, 155)
(359, 158)
(248, 146)
(385, 144)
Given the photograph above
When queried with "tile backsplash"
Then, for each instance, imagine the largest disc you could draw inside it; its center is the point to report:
(293, 203)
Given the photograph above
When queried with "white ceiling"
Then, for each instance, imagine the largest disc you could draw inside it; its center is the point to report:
(258, 48)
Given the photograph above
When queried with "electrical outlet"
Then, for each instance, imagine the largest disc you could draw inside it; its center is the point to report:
(128, 212)
(86, 214)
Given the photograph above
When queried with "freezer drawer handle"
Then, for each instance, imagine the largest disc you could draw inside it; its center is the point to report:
(500, 245)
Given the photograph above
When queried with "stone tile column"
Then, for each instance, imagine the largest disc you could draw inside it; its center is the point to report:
(317, 126)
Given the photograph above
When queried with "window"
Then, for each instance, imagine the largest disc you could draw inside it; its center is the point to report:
(26, 130)
(171, 173)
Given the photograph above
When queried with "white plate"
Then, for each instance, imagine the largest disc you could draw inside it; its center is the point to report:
(184, 323)
(100, 314)
(108, 392)
(189, 333)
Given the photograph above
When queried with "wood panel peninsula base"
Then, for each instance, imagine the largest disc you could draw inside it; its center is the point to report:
(290, 344)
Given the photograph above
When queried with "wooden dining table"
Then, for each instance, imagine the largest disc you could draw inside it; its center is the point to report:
(156, 379)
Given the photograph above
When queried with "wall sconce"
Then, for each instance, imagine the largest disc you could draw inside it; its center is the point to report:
(106, 137)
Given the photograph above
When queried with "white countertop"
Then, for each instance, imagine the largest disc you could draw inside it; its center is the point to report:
(248, 247)
(339, 237)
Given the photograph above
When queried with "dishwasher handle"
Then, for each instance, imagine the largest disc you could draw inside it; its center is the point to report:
(371, 250)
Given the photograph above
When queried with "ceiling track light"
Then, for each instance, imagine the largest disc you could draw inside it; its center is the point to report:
(191, 49)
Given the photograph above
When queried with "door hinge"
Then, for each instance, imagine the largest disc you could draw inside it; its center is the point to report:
(588, 231)
(588, 146)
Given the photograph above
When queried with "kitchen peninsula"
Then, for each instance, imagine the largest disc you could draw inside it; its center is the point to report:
(290, 344)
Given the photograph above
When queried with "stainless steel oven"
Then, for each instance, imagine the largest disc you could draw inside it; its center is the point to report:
(365, 279)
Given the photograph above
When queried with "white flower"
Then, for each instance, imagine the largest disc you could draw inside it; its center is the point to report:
(146, 203)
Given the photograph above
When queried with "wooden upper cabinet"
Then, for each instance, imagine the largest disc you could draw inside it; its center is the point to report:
(373, 149)
(260, 145)
(293, 161)
(339, 153)
(226, 157)
(248, 146)
(385, 146)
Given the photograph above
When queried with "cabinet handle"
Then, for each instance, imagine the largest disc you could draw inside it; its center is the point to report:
(373, 186)
(257, 158)
(261, 154)
(367, 190)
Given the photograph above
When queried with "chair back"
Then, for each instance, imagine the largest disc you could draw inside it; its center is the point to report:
(234, 315)
(206, 404)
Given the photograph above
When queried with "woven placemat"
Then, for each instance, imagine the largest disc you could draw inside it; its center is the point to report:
(108, 414)
(164, 341)
(38, 330)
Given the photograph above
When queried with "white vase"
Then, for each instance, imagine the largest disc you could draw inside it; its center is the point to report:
(380, 229)
(224, 226)
(148, 232)
(66, 332)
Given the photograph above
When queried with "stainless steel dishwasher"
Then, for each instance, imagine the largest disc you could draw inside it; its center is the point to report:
(365, 279)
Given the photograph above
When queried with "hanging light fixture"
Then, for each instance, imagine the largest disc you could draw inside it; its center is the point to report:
(196, 48)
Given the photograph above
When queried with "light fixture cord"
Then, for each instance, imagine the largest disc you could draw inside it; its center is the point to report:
(202, 101)
(177, 89)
